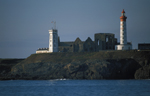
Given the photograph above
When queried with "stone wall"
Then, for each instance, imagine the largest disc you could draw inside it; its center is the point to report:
(65, 48)
(103, 41)
(89, 45)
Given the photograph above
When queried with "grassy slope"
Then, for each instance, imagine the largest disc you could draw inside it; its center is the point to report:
(69, 57)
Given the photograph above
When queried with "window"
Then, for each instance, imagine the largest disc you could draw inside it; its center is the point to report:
(106, 39)
(97, 42)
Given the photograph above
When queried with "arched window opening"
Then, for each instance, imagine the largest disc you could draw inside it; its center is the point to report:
(97, 42)
(106, 39)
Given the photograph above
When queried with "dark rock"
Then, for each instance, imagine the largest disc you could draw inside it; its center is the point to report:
(102, 69)
(143, 72)
(82, 65)
(5, 67)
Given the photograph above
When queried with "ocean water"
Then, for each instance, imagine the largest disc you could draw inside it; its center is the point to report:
(75, 88)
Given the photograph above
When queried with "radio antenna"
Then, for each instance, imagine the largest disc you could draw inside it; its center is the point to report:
(54, 24)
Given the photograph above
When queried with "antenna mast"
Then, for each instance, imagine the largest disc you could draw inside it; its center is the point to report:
(54, 24)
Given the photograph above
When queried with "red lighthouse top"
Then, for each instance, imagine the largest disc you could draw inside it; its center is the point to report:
(123, 11)
(123, 17)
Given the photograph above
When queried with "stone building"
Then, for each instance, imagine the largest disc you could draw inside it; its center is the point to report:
(144, 46)
(103, 41)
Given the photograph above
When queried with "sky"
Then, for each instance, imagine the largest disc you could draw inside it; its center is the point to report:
(24, 24)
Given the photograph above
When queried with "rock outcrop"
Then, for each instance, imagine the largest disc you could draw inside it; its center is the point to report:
(92, 65)
(88, 65)
(144, 71)
(5, 67)
(89, 69)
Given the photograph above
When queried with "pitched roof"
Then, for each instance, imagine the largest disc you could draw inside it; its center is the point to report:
(78, 41)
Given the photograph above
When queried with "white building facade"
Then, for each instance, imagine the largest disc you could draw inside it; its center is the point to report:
(53, 40)
(123, 34)
(53, 43)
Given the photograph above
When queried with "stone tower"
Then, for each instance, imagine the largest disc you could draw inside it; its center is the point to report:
(123, 34)
(53, 40)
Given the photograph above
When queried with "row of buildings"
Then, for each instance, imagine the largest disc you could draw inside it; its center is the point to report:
(102, 41)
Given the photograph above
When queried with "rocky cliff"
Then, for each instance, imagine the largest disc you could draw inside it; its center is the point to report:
(93, 65)
(5, 67)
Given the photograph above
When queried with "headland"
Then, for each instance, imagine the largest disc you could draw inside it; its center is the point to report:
(131, 64)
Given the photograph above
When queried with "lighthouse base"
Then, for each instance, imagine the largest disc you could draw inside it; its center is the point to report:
(124, 47)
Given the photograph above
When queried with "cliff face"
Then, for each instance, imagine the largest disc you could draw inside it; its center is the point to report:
(94, 65)
(144, 71)
(5, 67)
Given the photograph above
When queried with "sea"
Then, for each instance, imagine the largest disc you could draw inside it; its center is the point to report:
(64, 87)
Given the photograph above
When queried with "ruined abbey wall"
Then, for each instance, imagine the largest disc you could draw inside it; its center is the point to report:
(103, 41)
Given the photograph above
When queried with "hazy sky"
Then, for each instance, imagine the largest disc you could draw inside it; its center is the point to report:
(24, 24)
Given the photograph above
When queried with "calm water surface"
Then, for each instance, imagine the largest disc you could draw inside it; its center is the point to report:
(75, 88)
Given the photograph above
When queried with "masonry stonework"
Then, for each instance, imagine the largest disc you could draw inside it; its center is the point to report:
(103, 41)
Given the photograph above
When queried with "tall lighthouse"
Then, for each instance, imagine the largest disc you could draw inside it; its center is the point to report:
(124, 45)
(123, 34)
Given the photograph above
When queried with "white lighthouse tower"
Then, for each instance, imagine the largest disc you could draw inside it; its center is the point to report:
(123, 34)
(53, 40)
